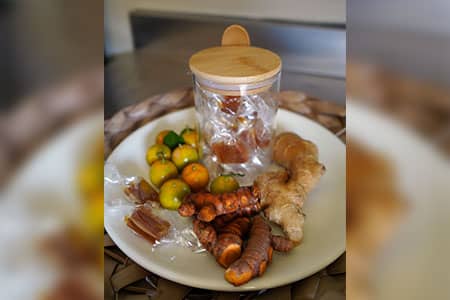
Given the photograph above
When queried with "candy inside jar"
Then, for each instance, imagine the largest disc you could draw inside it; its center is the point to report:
(234, 87)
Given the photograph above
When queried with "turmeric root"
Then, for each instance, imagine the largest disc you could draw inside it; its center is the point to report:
(146, 224)
(226, 244)
(281, 244)
(229, 242)
(222, 220)
(206, 234)
(208, 206)
(256, 256)
(282, 193)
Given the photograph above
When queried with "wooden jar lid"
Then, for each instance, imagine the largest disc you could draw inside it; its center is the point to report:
(235, 62)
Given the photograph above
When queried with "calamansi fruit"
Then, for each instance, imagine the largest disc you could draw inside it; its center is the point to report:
(196, 176)
(172, 193)
(160, 137)
(157, 151)
(183, 155)
(161, 171)
(190, 137)
(224, 184)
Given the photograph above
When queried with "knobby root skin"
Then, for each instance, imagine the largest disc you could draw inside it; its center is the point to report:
(282, 244)
(225, 243)
(283, 193)
(256, 255)
(208, 206)
(223, 220)
(206, 234)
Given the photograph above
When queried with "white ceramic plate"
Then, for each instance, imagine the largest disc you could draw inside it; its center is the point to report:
(416, 258)
(324, 239)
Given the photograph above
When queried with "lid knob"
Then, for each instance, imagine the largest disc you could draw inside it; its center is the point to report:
(235, 62)
(235, 35)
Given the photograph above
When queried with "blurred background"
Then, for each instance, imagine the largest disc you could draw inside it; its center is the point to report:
(398, 145)
(51, 150)
(148, 44)
(399, 55)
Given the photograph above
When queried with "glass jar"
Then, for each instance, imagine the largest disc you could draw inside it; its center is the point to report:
(234, 88)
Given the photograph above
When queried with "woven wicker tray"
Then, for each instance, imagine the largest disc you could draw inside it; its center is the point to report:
(126, 280)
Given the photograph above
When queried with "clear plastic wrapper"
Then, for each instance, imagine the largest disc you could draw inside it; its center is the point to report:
(236, 127)
(180, 232)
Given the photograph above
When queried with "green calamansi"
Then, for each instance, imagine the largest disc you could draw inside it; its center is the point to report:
(161, 171)
(190, 136)
(183, 155)
(224, 184)
(172, 193)
(157, 151)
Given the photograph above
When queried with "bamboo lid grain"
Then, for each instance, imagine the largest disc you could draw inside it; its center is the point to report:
(235, 62)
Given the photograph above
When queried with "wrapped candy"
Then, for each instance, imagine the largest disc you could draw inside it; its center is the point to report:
(236, 132)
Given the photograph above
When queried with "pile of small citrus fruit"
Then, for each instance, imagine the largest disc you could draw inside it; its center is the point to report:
(175, 154)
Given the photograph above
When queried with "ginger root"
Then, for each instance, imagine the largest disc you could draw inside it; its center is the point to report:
(256, 256)
(283, 193)
(208, 206)
(225, 243)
